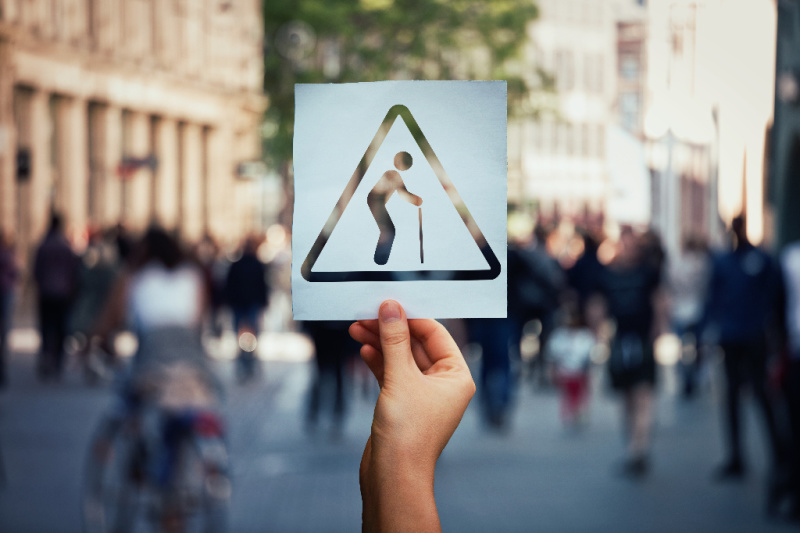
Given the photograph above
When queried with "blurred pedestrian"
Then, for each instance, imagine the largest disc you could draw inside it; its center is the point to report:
(247, 294)
(98, 270)
(688, 276)
(584, 275)
(630, 289)
(123, 241)
(742, 304)
(164, 434)
(570, 355)
(535, 282)
(652, 250)
(9, 272)
(494, 336)
(162, 296)
(332, 348)
(790, 262)
(215, 270)
(55, 271)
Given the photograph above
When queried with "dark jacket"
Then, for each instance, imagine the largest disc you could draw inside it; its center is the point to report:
(246, 284)
(56, 268)
(8, 269)
(743, 293)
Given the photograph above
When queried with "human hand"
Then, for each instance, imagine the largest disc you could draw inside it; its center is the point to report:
(425, 389)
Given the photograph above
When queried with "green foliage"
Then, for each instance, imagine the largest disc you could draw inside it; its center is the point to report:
(317, 41)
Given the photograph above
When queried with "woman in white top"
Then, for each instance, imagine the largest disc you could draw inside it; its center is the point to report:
(162, 297)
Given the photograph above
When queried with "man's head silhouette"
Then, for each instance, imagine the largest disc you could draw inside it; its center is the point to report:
(403, 161)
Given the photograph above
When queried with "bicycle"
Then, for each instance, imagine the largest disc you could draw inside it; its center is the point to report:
(161, 462)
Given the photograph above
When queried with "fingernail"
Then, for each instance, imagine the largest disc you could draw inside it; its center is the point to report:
(389, 311)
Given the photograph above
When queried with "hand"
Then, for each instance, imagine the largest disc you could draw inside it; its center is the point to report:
(425, 389)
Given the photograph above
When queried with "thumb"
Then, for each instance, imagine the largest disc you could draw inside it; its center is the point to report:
(395, 338)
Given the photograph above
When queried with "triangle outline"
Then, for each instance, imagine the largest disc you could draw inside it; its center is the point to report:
(399, 275)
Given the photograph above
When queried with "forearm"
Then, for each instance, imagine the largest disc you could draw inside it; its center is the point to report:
(409, 197)
(397, 495)
(425, 389)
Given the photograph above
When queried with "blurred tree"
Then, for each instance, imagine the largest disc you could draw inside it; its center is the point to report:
(313, 41)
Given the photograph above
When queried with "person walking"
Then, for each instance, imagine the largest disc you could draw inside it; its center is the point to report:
(97, 273)
(332, 348)
(688, 284)
(55, 270)
(496, 383)
(790, 263)
(247, 294)
(742, 304)
(9, 273)
(570, 355)
(536, 283)
(629, 287)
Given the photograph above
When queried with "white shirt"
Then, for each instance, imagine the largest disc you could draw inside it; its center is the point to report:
(688, 279)
(158, 297)
(571, 348)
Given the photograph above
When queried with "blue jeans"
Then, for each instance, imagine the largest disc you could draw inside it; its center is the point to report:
(494, 335)
(6, 315)
(247, 319)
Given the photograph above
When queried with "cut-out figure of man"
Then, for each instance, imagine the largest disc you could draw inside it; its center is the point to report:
(377, 199)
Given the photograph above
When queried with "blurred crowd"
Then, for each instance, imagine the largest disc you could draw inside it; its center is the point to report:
(578, 299)
(589, 298)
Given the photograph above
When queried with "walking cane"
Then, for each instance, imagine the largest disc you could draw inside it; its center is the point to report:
(421, 253)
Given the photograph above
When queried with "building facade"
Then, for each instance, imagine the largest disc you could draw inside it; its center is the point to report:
(661, 116)
(129, 111)
(708, 114)
(557, 160)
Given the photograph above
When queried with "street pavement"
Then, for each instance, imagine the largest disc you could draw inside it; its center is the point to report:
(537, 476)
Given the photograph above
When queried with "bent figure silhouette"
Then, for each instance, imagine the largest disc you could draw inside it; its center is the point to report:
(380, 195)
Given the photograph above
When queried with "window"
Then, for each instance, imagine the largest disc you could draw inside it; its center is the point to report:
(536, 136)
(571, 141)
(601, 141)
(629, 67)
(565, 70)
(629, 110)
(599, 75)
(563, 136)
(593, 73)
(585, 142)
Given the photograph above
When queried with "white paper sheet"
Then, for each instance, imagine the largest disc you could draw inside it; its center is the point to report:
(447, 257)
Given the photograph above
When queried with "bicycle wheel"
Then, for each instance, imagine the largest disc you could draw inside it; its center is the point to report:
(113, 494)
(196, 500)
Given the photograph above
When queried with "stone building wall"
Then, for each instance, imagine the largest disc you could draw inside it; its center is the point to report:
(86, 85)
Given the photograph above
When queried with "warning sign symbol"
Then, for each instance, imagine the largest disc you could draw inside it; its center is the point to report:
(380, 213)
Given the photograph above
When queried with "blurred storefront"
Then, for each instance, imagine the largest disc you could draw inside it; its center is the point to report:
(129, 111)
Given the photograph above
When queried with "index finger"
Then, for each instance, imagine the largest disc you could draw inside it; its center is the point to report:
(436, 340)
